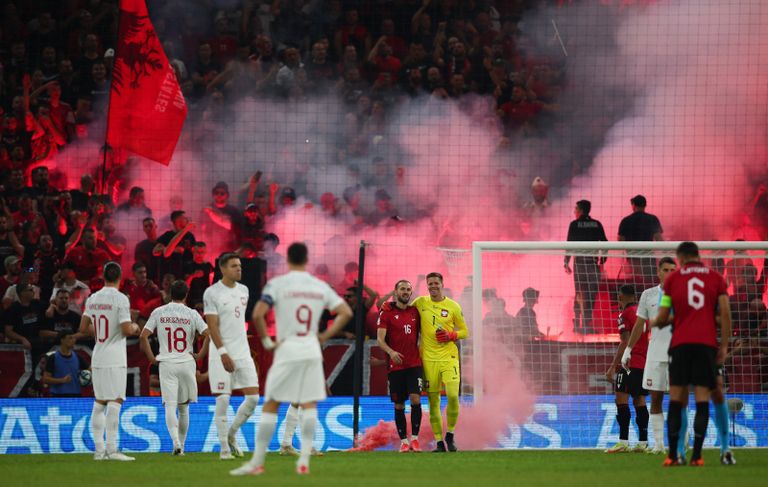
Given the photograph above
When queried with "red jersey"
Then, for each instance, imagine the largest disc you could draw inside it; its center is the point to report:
(693, 291)
(627, 320)
(403, 326)
(88, 263)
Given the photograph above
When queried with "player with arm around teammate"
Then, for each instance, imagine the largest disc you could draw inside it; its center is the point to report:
(698, 294)
(398, 336)
(107, 317)
(296, 375)
(176, 325)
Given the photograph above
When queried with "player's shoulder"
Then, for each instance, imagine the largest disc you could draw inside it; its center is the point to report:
(242, 287)
(212, 289)
(452, 304)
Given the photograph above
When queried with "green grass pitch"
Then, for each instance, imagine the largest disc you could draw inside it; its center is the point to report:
(337, 469)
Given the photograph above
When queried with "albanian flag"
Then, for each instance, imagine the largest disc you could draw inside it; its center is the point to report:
(146, 106)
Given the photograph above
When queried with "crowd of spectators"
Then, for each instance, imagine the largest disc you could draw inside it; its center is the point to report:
(56, 59)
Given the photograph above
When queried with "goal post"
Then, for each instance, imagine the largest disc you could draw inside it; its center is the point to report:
(540, 264)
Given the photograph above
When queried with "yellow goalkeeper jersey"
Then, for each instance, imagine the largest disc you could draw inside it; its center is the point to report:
(445, 314)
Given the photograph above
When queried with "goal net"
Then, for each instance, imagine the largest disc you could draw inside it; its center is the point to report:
(543, 316)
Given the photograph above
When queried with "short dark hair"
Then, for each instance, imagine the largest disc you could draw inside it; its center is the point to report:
(147, 219)
(138, 265)
(435, 274)
(63, 334)
(688, 249)
(298, 253)
(639, 201)
(176, 214)
(179, 290)
(585, 206)
(666, 260)
(226, 257)
(627, 290)
(397, 284)
(112, 272)
(61, 290)
(135, 191)
(200, 244)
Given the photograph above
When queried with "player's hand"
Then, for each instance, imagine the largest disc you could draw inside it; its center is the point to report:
(626, 357)
(66, 379)
(135, 329)
(610, 375)
(228, 363)
(396, 357)
(567, 269)
(25, 344)
(722, 353)
(446, 336)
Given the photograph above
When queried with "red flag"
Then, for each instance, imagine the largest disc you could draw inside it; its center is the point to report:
(146, 106)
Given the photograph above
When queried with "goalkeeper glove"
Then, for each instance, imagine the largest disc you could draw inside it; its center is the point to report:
(446, 336)
(626, 357)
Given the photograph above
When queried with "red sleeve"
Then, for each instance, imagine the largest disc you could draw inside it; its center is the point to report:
(383, 321)
(623, 321)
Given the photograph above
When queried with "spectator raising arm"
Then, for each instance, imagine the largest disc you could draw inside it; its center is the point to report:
(171, 248)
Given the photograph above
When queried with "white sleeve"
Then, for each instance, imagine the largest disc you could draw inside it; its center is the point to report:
(124, 310)
(53, 293)
(10, 293)
(332, 299)
(642, 306)
(151, 324)
(200, 324)
(268, 294)
(209, 303)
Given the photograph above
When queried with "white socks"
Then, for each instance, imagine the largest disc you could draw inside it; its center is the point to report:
(308, 424)
(657, 425)
(183, 424)
(220, 416)
(291, 420)
(172, 423)
(263, 437)
(98, 423)
(243, 413)
(113, 423)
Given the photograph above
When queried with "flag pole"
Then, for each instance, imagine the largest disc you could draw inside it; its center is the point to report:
(106, 146)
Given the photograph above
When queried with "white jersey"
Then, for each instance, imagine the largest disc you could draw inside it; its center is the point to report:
(108, 308)
(228, 303)
(648, 309)
(299, 299)
(176, 325)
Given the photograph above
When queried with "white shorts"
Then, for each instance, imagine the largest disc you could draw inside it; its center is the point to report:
(223, 382)
(296, 382)
(178, 382)
(109, 383)
(656, 376)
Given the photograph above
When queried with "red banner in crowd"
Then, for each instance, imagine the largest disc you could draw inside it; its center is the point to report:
(146, 106)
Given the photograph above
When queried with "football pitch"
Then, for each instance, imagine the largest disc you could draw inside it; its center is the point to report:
(338, 469)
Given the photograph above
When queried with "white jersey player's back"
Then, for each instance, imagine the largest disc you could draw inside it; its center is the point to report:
(176, 325)
(299, 300)
(108, 308)
(648, 309)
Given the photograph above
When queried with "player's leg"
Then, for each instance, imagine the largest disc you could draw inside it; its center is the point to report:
(657, 420)
(118, 378)
(415, 381)
(98, 425)
(264, 433)
(678, 400)
(638, 394)
(169, 389)
(623, 414)
(291, 421)
(222, 424)
(397, 394)
(700, 422)
(100, 379)
(245, 379)
(220, 382)
(451, 377)
(432, 383)
(721, 419)
(308, 425)
(183, 425)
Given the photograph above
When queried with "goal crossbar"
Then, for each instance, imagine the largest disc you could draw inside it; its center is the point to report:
(567, 248)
